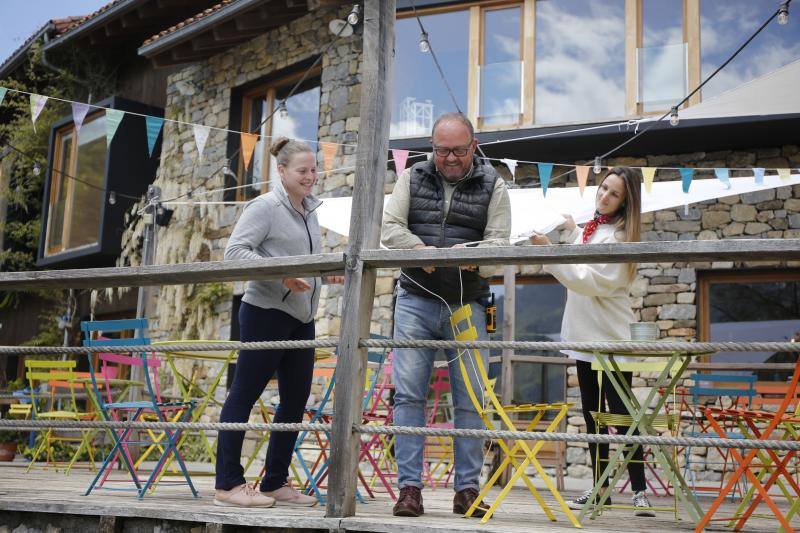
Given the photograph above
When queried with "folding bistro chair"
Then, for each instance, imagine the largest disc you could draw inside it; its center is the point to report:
(135, 410)
(520, 455)
(44, 405)
(762, 426)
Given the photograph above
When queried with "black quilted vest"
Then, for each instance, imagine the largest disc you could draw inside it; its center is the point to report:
(464, 222)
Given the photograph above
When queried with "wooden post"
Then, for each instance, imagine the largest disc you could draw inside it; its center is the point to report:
(365, 223)
(507, 364)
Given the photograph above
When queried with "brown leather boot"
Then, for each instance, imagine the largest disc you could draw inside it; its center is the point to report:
(464, 499)
(409, 503)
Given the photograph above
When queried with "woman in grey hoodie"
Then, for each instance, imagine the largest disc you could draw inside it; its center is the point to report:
(282, 222)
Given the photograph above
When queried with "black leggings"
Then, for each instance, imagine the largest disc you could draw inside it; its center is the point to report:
(254, 369)
(590, 396)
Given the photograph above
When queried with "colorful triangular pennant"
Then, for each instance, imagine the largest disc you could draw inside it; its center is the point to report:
(37, 104)
(512, 167)
(723, 175)
(79, 111)
(3, 92)
(328, 154)
(648, 174)
(153, 125)
(249, 141)
(784, 173)
(545, 170)
(758, 174)
(686, 178)
(582, 171)
(400, 157)
(200, 137)
(113, 118)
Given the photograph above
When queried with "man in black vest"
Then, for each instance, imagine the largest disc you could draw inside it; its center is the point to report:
(450, 201)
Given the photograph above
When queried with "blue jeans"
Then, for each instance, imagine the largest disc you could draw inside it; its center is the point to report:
(420, 318)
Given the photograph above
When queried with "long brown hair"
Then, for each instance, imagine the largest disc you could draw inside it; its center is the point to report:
(630, 222)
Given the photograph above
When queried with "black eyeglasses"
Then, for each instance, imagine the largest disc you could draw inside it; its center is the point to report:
(458, 151)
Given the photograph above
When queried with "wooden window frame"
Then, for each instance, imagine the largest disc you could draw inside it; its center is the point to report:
(268, 92)
(58, 181)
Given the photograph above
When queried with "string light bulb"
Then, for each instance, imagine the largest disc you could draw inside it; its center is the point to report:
(673, 116)
(597, 165)
(783, 14)
(282, 110)
(354, 15)
(424, 45)
(112, 197)
(37, 168)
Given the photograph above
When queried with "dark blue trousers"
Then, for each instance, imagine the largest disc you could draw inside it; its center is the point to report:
(254, 369)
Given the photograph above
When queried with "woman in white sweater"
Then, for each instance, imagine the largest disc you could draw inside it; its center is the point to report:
(599, 308)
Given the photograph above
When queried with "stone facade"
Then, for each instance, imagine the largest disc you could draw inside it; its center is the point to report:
(202, 93)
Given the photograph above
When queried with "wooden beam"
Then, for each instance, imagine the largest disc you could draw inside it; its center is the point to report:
(473, 67)
(529, 62)
(95, 278)
(632, 39)
(637, 252)
(509, 315)
(691, 30)
(365, 223)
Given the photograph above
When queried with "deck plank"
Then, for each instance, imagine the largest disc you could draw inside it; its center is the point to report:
(48, 491)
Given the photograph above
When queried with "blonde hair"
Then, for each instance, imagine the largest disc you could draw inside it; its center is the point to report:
(630, 222)
(284, 149)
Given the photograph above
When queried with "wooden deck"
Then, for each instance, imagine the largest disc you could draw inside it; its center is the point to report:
(24, 497)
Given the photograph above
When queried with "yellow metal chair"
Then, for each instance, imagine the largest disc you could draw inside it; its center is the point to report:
(488, 406)
(45, 406)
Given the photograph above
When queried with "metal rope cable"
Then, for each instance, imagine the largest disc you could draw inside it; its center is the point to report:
(643, 347)
(786, 445)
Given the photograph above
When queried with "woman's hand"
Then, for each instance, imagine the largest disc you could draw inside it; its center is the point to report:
(296, 284)
(335, 280)
(569, 222)
(538, 238)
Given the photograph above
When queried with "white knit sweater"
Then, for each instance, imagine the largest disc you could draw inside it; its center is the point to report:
(598, 302)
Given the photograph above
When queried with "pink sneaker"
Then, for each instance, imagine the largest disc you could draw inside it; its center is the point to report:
(288, 495)
(242, 496)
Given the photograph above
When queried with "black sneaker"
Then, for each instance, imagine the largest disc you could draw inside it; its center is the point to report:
(578, 503)
(642, 505)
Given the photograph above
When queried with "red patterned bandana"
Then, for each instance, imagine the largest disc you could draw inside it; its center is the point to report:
(591, 226)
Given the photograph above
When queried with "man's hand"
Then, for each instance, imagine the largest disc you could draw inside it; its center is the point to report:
(296, 284)
(468, 268)
(428, 269)
(538, 238)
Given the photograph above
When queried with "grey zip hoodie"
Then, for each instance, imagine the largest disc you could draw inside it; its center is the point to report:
(271, 227)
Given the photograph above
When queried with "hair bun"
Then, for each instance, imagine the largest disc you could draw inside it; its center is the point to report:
(278, 145)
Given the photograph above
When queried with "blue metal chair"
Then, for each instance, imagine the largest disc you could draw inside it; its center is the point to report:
(741, 389)
(151, 406)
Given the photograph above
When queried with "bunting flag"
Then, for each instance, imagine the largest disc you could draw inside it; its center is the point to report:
(724, 176)
(583, 176)
(400, 157)
(758, 174)
(3, 92)
(79, 111)
(113, 118)
(784, 173)
(249, 141)
(545, 169)
(512, 167)
(153, 125)
(686, 178)
(328, 154)
(200, 137)
(648, 173)
(37, 104)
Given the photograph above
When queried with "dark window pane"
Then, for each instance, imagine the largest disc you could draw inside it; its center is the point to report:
(580, 60)
(88, 196)
(302, 122)
(418, 93)
(755, 311)
(255, 172)
(725, 24)
(60, 184)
